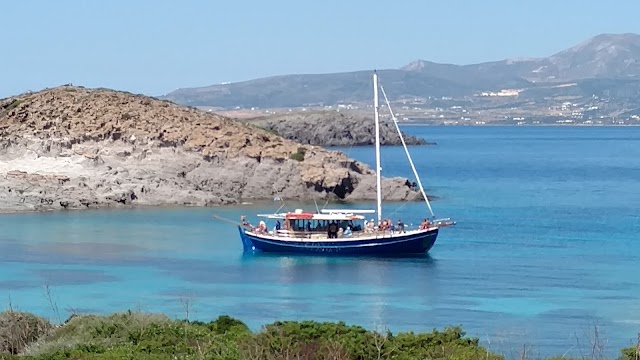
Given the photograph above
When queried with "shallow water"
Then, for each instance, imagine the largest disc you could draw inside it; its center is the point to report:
(546, 248)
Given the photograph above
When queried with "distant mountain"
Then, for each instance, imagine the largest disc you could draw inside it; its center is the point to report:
(603, 56)
(610, 58)
(316, 89)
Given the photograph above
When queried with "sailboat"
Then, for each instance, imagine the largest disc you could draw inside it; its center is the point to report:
(345, 231)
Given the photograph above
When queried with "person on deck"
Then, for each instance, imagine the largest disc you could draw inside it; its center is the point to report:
(332, 230)
(245, 223)
(425, 224)
(262, 228)
(347, 232)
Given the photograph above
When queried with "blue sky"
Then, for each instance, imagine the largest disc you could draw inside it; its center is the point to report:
(154, 47)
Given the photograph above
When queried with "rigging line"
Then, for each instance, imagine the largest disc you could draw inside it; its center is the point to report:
(325, 204)
(278, 196)
(415, 172)
(401, 206)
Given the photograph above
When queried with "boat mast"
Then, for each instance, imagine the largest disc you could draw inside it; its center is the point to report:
(415, 172)
(377, 124)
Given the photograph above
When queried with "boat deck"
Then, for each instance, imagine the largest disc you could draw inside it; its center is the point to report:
(306, 236)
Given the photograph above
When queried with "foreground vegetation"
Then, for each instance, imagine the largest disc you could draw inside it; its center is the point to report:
(134, 335)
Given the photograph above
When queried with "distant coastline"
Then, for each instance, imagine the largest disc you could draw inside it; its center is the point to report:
(331, 128)
(595, 80)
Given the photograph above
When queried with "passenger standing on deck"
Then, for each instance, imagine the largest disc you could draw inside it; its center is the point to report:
(332, 230)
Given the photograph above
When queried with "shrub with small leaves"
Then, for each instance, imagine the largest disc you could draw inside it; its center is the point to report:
(299, 155)
(631, 353)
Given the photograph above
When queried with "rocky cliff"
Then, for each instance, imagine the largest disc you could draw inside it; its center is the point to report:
(72, 147)
(331, 128)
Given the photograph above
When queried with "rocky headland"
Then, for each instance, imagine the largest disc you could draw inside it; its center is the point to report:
(332, 128)
(72, 148)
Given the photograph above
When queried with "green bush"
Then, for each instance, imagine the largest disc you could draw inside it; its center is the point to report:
(133, 335)
(299, 155)
(270, 131)
(14, 105)
(338, 340)
(6, 356)
(631, 353)
(145, 335)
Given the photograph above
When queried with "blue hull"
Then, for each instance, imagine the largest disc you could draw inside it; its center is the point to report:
(416, 243)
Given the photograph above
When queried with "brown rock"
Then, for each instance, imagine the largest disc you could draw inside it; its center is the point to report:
(179, 155)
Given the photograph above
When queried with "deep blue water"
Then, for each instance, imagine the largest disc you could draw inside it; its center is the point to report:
(546, 248)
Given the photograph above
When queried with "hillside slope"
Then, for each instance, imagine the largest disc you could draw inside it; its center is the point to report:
(606, 56)
(72, 147)
(314, 89)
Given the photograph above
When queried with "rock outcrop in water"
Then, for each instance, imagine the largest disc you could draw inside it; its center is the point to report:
(72, 147)
(331, 128)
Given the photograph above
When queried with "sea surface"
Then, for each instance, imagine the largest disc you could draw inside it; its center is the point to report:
(546, 250)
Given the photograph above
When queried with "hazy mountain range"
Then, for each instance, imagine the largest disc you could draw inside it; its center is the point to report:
(605, 65)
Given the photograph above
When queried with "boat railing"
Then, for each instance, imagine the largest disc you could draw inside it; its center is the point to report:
(315, 235)
(443, 222)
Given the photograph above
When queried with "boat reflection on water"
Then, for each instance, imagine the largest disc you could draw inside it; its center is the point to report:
(370, 286)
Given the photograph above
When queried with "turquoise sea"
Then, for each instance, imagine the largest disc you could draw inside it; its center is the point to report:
(546, 249)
